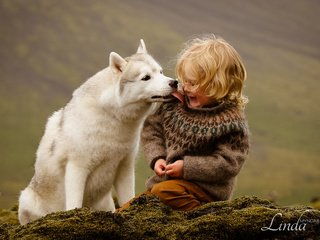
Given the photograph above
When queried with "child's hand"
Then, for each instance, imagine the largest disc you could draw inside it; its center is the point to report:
(175, 169)
(160, 167)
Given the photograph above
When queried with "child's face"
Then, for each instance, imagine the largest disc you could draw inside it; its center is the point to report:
(195, 97)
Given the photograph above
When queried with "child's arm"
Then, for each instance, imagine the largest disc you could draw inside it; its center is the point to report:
(152, 139)
(224, 163)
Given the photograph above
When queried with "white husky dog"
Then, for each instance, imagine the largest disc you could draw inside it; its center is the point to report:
(89, 146)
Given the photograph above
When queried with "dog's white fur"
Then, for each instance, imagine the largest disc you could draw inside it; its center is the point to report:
(89, 146)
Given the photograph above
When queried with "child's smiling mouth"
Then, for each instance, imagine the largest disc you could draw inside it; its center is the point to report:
(191, 97)
(192, 101)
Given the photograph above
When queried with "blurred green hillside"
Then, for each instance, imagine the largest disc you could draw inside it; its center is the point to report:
(49, 48)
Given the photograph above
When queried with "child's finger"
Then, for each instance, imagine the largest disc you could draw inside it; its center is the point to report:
(160, 172)
(162, 167)
(169, 172)
(169, 167)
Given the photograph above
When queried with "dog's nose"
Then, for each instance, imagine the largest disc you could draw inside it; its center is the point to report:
(173, 83)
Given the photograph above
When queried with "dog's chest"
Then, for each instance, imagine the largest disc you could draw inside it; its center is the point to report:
(107, 135)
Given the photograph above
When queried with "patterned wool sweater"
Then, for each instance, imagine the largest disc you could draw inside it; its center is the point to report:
(212, 142)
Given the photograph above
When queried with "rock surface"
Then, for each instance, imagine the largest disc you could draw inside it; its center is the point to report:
(148, 218)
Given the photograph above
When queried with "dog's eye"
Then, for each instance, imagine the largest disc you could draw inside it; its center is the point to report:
(146, 78)
(161, 72)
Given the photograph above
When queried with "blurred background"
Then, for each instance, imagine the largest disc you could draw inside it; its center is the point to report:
(49, 48)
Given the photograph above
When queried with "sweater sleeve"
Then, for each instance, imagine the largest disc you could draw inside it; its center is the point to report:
(222, 164)
(152, 139)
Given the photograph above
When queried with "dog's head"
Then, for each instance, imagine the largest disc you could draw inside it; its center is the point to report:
(140, 77)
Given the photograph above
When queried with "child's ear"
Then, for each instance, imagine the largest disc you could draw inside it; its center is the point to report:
(117, 63)
(142, 47)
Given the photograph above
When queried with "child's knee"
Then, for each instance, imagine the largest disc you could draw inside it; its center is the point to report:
(175, 194)
(158, 189)
(167, 188)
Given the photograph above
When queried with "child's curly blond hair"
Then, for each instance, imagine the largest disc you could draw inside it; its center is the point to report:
(219, 70)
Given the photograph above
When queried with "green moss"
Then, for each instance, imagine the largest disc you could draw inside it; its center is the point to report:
(148, 218)
(8, 220)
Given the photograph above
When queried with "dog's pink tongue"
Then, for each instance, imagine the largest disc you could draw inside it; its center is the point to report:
(178, 95)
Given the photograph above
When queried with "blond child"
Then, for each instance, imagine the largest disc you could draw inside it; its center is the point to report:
(197, 145)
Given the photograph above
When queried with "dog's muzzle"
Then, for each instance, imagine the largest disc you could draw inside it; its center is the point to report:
(174, 85)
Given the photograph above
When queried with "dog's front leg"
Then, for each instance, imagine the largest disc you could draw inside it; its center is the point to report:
(75, 182)
(124, 182)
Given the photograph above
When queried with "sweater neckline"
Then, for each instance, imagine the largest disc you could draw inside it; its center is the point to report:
(213, 109)
(182, 99)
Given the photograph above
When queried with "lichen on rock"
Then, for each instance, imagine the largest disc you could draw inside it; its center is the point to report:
(148, 218)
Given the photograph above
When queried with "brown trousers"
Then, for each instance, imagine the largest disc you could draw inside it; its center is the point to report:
(178, 194)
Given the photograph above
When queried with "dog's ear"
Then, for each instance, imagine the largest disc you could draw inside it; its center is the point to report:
(117, 63)
(142, 47)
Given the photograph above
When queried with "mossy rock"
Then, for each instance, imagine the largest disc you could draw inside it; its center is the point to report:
(148, 218)
(8, 220)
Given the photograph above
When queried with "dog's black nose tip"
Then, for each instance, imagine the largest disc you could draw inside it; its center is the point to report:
(173, 83)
